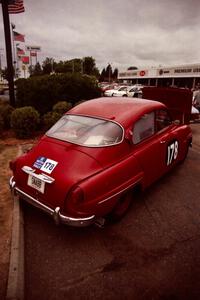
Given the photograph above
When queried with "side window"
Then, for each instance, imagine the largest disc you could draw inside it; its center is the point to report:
(144, 128)
(162, 119)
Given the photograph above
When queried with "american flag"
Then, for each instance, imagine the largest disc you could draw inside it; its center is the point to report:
(15, 6)
(18, 36)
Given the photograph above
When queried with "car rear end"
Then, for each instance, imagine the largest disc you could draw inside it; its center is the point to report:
(47, 175)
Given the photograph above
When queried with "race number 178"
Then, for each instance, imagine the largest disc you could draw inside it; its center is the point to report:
(49, 165)
(172, 152)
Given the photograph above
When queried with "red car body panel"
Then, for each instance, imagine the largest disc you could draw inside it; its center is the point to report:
(178, 101)
(121, 111)
(69, 171)
(100, 175)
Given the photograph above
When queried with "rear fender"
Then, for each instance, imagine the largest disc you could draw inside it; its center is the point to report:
(102, 190)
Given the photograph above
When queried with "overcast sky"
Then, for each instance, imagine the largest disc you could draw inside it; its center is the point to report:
(121, 32)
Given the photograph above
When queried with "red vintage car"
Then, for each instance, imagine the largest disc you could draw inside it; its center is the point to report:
(88, 165)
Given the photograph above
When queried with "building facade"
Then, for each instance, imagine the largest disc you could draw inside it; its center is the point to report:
(187, 76)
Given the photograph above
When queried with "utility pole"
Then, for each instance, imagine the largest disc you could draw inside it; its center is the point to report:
(6, 21)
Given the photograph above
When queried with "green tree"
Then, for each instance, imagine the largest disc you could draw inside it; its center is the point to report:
(59, 67)
(89, 66)
(115, 74)
(30, 69)
(103, 75)
(69, 66)
(37, 69)
(108, 73)
(48, 65)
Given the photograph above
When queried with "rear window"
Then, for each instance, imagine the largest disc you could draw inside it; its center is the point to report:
(87, 131)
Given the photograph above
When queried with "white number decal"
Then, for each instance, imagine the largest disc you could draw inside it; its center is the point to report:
(172, 152)
(49, 165)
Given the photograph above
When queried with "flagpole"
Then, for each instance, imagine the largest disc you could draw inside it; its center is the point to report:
(6, 22)
(13, 45)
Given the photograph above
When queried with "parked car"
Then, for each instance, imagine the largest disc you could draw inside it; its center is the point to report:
(129, 91)
(90, 163)
(110, 93)
(123, 92)
(109, 87)
(135, 91)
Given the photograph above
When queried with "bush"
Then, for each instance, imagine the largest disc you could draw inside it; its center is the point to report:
(50, 118)
(24, 121)
(5, 112)
(43, 92)
(62, 107)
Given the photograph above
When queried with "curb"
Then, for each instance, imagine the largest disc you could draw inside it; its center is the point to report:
(15, 284)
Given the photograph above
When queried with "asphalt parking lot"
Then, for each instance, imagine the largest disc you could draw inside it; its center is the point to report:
(153, 253)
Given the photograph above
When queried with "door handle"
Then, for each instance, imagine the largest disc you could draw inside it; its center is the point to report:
(163, 142)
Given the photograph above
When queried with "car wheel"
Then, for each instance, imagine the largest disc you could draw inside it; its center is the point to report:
(125, 95)
(186, 152)
(121, 207)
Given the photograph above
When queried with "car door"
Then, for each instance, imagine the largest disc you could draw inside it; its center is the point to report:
(170, 141)
(151, 144)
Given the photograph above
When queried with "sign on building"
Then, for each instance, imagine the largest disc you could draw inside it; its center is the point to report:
(33, 48)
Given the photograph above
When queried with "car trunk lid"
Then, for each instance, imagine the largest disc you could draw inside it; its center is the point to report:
(178, 101)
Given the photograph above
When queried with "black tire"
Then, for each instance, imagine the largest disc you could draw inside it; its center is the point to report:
(121, 208)
(186, 153)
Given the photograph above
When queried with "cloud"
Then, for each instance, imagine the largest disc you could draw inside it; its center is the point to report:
(124, 33)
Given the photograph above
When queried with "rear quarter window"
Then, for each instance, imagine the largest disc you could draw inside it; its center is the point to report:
(144, 128)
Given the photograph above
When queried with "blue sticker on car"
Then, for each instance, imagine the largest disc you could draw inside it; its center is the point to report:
(39, 162)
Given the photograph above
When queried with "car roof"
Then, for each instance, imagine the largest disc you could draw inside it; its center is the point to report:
(122, 110)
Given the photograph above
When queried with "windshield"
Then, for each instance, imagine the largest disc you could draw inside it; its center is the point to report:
(86, 131)
(124, 88)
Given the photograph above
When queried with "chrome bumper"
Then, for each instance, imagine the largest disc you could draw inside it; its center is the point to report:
(57, 216)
